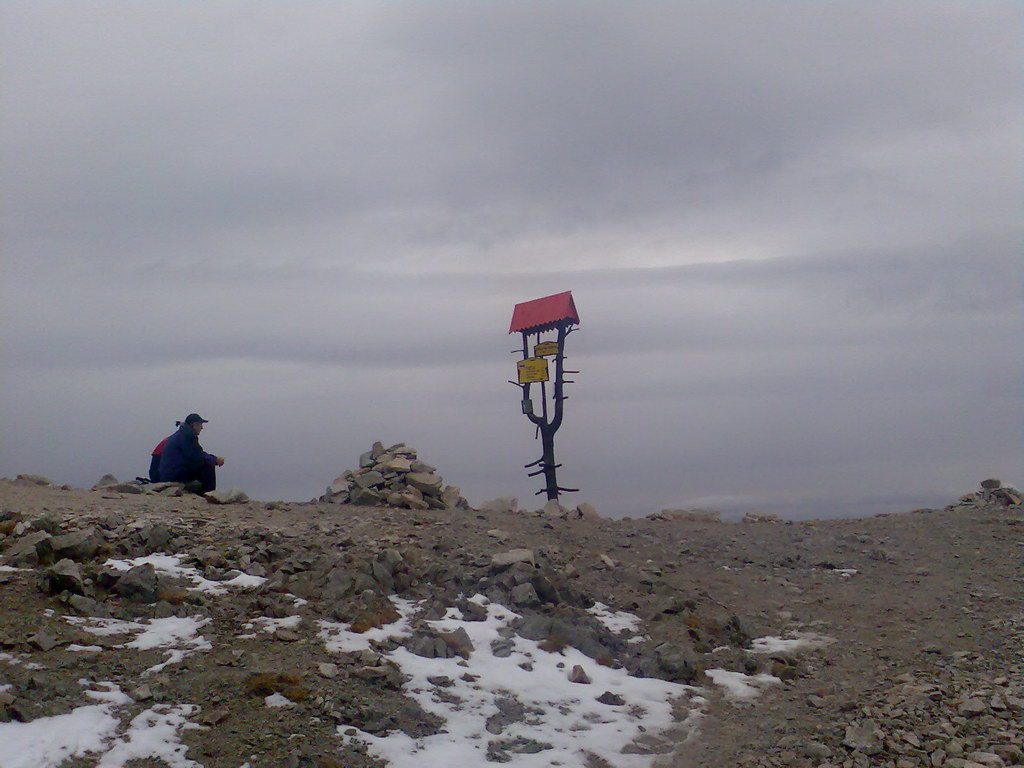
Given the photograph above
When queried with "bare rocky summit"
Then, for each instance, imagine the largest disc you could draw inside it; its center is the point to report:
(280, 634)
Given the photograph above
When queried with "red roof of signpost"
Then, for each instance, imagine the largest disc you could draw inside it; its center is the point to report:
(544, 314)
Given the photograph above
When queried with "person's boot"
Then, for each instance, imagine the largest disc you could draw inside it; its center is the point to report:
(194, 486)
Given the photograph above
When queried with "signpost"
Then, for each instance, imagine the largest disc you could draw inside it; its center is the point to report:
(532, 370)
(545, 349)
(555, 313)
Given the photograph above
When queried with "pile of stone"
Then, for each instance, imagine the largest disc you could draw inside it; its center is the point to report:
(688, 515)
(992, 492)
(110, 484)
(510, 504)
(394, 477)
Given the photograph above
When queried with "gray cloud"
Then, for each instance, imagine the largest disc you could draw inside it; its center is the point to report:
(791, 231)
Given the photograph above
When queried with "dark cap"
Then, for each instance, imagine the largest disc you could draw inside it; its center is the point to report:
(192, 418)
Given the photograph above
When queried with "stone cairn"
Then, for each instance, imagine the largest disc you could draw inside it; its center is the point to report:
(394, 477)
(992, 491)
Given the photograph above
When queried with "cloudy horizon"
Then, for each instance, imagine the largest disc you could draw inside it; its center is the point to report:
(792, 231)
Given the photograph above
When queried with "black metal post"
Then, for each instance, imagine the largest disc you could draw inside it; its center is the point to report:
(546, 427)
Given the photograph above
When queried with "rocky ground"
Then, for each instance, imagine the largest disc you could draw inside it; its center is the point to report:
(884, 641)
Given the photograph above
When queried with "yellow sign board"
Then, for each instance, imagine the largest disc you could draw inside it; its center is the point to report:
(545, 348)
(532, 369)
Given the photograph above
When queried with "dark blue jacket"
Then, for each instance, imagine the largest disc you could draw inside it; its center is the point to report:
(182, 452)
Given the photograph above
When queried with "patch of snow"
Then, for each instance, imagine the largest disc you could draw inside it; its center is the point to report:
(171, 633)
(171, 565)
(268, 624)
(772, 644)
(740, 687)
(616, 621)
(102, 627)
(154, 733)
(84, 648)
(337, 638)
(277, 700)
(178, 636)
(10, 569)
(48, 742)
(243, 580)
(112, 694)
(12, 659)
(563, 715)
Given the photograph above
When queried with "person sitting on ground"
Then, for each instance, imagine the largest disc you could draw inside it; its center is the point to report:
(154, 461)
(184, 461)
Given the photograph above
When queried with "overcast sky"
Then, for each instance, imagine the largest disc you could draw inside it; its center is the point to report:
(792, 231)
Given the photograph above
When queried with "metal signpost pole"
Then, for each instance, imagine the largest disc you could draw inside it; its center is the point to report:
(556, 313)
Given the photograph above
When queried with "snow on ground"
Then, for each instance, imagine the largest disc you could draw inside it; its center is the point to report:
(277, 700)
(269, 625)
(615, 621)
(48, 742)
(13, 659)
(178, 636)
(338, 639)
(563, 716)
(738, 686)
(154, 733)
(519, 700)
(171, 565)
(799, 640)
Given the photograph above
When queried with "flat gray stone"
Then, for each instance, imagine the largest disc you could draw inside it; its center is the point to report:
(554, 509)
(78, 545)
(505, 559)
(28, 549)
(972, 707)
(524, 596)
(865, 736)
(32, 480)
(86, 606)
(140, 584)
(365, 497)
(395, 464)
(104, 481)
(501, 504)
(579, 675)
(42, 641)
(63, 576)
(368, 479)
(424, 483)
(124, 488)
(230, 496)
